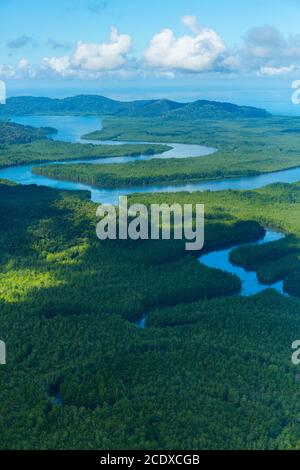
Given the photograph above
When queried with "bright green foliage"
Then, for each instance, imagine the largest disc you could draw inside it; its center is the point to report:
(47, 151)
(211, 370)
(246, 147)
(203, 374)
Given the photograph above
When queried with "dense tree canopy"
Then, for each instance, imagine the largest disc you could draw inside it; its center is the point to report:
(205, 373)
(212, 369)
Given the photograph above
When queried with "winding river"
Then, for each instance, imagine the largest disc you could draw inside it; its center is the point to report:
(71, 128)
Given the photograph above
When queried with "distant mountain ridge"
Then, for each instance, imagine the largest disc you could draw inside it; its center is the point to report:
(96, 104)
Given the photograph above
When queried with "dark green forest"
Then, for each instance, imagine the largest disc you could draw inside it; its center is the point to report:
(211, 369)
(12, 133)
(100, 105)
(245, 147)
(24, 144)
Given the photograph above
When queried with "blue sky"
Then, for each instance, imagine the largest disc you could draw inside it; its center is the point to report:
(183, 49)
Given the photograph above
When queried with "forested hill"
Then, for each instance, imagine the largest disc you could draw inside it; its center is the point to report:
(94, 104)
(12, 133)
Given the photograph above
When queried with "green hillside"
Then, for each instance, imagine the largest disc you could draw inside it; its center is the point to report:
(100, 105)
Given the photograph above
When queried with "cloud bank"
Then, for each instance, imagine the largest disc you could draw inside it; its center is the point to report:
(264, 51)
(92, 58)
(197, 53)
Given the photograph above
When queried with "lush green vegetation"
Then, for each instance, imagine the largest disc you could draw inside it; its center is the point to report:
(211, 369)
(100, 105)
(275, 132)
(25, 144)
(253, 400)
(176, 171)
(205, 373)
(272, 149)
(277, 205)
(11, 133)
(274, 146)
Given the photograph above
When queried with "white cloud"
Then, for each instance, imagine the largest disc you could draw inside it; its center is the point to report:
(272, 71)
(191, 22)
(264, 51)
(232, 62)
(7, 72)
(22, 69)
(92, 57)
(60, 65)
(165, 74)
(188, 53)
(23, 64)
(103, 56)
